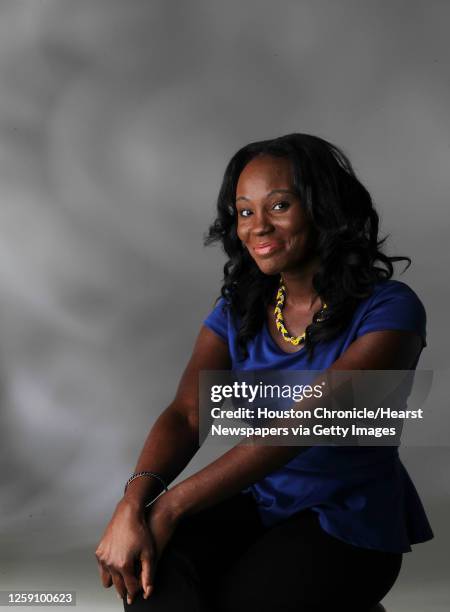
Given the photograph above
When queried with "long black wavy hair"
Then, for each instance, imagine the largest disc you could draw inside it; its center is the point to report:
(342, 214)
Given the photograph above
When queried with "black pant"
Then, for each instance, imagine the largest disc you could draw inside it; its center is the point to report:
(224, 560)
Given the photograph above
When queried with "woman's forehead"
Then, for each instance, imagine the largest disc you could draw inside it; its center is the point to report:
(265, 174)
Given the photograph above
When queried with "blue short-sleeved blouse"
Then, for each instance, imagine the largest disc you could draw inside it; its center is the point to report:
(363, 495)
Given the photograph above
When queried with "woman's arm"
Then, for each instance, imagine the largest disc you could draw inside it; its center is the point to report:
(173, 439)
(171, 443)
(244, 464)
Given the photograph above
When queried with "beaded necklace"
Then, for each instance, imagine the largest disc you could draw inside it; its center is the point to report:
(279, 319)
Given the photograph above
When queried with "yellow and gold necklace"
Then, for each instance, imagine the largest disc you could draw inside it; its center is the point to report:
(279, 319)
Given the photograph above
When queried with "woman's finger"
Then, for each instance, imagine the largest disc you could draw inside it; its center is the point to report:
(130, 580)
(119, 584)
(105, 576)
(147, 574)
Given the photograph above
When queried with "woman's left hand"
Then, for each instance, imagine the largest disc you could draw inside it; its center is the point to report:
(162, 522)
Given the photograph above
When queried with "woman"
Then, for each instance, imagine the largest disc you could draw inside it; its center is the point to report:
(279, 527)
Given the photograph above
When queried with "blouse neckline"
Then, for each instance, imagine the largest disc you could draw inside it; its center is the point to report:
(274, 345)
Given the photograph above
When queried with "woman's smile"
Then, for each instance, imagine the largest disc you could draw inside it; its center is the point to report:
(267, 248)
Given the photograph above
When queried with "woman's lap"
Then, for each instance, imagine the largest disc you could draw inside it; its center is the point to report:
(223, 559)
(297, 566)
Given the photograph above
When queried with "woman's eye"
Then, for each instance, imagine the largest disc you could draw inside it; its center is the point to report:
(245, 212)
(280, 205)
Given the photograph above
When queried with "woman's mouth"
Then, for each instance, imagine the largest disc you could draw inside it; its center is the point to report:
(267, 248)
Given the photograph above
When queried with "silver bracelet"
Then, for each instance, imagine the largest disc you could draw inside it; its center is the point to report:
(153, 475)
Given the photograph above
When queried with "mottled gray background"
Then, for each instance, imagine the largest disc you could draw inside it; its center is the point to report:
(116, 122)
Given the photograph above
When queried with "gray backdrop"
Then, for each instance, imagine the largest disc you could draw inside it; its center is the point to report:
(116, 122)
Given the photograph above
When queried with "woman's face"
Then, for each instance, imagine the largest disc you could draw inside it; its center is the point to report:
(271, 222)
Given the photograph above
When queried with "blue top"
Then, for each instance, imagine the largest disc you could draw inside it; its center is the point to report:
(363, 495)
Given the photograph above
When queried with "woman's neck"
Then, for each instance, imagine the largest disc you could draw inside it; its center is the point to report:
(300, 292)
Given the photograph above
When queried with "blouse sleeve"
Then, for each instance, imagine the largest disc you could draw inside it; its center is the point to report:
(395, 306)
(217, 320)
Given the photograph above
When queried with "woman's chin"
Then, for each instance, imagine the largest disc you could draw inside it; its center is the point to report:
(270, 268)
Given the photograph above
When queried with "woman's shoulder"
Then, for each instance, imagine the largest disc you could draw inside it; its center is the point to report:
(392, 305)
(218, 318)
(393, 288)
(389, 293)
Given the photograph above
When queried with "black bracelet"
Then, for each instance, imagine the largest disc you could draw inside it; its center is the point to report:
(138, 474)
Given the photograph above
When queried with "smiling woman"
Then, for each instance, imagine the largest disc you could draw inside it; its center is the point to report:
(306, 287)
(292, 209)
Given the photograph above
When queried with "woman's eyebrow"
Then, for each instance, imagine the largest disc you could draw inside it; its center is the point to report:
(269, 194)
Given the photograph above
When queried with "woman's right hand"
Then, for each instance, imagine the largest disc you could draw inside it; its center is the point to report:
(126, 540)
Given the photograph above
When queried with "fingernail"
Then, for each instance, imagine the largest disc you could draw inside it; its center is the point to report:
(129, 600)
(118, 596)
(147, 591)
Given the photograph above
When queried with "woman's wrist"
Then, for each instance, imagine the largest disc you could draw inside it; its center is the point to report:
(140, 492)
(171, 504)
(132, 505)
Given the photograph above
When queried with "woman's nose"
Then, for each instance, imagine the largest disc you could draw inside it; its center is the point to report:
(261, 225)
